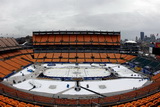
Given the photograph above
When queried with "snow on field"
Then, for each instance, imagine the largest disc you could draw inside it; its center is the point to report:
(24, 71)
(110, 86)
(123, 71)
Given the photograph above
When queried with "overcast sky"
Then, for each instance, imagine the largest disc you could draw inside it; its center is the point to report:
(21, 17)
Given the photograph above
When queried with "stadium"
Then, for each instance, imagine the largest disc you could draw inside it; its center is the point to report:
(76, 69)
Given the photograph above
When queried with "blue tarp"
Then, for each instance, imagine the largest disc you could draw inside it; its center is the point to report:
(30, 70)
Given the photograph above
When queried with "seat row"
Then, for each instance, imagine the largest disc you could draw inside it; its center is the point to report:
(84, 55)
(9, 102)
(15, 53)
(74, 60)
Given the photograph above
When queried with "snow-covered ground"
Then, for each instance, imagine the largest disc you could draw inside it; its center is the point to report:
(123, 71)
(24, 71)
(110, 86)
(81, 70)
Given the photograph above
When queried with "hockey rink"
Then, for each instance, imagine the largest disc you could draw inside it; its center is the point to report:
(130, 81)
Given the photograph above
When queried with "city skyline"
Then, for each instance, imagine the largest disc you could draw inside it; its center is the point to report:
(22, 17)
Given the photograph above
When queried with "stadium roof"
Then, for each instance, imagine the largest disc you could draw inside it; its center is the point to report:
(76, 32)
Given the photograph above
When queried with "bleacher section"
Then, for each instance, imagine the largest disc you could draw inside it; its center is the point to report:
(12, 57)
(8, 44)
(10, 63)
(76, 41)
(151, 101)
(153, 64)
(78, 46)
(76, 38)
(82, 57)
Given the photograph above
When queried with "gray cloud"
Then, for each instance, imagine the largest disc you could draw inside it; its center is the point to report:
(21, 17)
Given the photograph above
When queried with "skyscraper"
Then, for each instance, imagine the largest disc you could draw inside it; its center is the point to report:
(141, 36)
(152, 37)
(136, 39)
